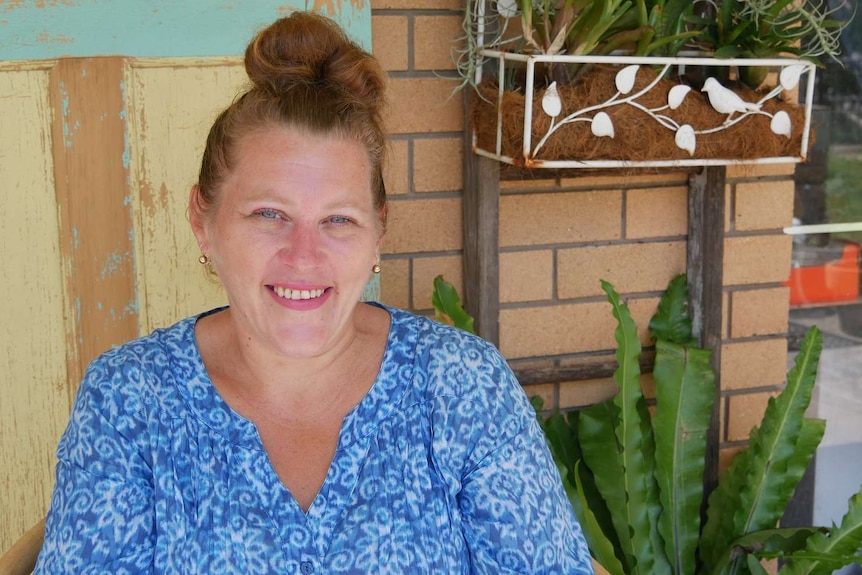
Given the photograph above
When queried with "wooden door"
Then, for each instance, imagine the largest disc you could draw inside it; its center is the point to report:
(104, 109)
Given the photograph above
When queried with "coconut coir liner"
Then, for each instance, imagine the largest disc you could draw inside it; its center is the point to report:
(637, 136)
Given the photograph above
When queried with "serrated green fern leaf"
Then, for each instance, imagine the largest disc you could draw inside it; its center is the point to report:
(601, 449)
(671, 321)
(447, 306)
(837, 548)
(601, 546)
(632, 436)
(810, 435)
(772, 444)
(685, 391)
(718, 532)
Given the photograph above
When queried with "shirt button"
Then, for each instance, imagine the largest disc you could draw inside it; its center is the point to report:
(306, 567)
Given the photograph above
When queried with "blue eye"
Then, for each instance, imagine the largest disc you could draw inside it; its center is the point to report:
(340, 220)
(268, 214)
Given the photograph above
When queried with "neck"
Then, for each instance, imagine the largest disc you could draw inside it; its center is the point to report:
(250, 376)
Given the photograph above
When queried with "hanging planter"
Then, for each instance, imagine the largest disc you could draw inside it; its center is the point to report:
(560, 97)
(628, 111)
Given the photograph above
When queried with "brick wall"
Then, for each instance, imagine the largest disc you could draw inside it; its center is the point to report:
(559, 237)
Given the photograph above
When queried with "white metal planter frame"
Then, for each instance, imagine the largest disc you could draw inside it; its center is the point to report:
(790, 71)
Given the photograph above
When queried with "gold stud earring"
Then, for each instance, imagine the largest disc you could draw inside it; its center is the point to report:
(376, 268)
(204, 260)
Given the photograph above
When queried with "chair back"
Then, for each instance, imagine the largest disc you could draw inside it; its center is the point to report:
(20, 559)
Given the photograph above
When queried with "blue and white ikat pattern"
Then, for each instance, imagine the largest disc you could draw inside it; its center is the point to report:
(440, 469)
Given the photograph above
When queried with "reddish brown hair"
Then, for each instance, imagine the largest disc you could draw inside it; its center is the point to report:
(305, 73)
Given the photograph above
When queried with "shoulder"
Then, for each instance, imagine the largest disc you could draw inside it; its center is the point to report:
(127, 378)
(449, 361)
(133, 360)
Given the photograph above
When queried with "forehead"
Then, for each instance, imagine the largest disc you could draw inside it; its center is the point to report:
(285, 158)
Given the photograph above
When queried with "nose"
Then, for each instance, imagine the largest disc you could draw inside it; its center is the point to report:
(302, 246)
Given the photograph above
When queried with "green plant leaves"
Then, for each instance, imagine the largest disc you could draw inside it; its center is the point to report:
(636, 446)
(447, 306)
(825, 552)
(772, 445)
(671, 322)
(601, 546)
(685, 391)
(754, 491)
(601, 455)
(636, 482)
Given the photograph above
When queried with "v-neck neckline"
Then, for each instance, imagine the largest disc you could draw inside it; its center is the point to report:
(361, 421)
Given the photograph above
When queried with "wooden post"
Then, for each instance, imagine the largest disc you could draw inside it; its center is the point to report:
(481, 236)
(706, 203)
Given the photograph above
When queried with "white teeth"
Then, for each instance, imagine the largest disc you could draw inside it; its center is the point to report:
(295, 294)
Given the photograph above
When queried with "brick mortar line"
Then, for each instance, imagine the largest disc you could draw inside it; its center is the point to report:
(413, 195)
(420, 255)
(424, 75)
(539, 304)
(409, 136)
(755, 338)
(593, 244)
(728, 393)
(416, 12)
(755, 233)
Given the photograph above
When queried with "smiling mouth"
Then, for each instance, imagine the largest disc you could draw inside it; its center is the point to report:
(297, 294)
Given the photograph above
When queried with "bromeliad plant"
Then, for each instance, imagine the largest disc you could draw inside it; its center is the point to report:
(636, 480)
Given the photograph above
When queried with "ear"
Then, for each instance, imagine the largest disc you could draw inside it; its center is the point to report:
(197, 218)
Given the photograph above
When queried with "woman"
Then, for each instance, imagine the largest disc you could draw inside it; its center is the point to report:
(296, 430)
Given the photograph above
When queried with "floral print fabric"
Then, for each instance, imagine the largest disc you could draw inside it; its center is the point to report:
(441, 468)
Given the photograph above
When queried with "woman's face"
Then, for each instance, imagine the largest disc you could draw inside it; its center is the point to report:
(293, 238)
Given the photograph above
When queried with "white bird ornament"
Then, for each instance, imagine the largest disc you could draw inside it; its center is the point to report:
(725, 101)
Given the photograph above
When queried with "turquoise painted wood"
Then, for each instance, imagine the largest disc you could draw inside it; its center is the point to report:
(47, 29)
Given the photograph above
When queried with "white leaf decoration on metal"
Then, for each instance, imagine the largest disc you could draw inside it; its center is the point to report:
(602, 125)
(685, 139)
(676, 95)
(625, 79)
(507, 8)
(789, 76)
(780, 124)
(551, 103)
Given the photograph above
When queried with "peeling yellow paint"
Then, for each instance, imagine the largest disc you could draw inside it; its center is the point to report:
(45, 37)
(333, 8)
(15, 4)
(34, 404)
(175, 106)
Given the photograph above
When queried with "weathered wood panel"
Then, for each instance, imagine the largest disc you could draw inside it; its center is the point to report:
(172, 105)
(34, 393)
(95, 225)
(108, 255)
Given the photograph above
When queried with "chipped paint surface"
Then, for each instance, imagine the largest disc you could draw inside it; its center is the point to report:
(34, 401)
(93, 268)
(170, 111)
(155, 28)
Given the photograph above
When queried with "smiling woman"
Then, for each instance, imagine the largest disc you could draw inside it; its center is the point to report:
(297, 429)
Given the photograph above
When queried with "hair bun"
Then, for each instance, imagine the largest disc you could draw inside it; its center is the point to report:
(311, 50)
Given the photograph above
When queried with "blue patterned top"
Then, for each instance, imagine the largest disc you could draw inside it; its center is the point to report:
(441, 468)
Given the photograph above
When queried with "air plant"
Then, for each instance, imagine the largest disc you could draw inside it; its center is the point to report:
(771, 28)
(573, 27)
